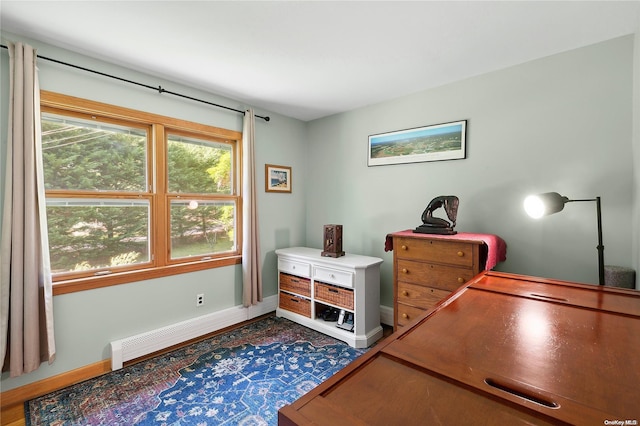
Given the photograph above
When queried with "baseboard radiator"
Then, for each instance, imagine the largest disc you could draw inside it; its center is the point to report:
(152, 341)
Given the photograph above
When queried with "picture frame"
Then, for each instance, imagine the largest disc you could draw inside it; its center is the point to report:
(438, 142)
(277, 178)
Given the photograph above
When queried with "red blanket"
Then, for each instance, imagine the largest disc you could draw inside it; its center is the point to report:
(497, 247)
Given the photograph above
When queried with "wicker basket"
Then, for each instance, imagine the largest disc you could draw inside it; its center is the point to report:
(342, 297)
(296, 304)
(294, 284)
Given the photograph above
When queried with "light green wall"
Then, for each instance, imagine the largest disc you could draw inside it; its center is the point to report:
(635, 229)
(562, 123)
(85, 322)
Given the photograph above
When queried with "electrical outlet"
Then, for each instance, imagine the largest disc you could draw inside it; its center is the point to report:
(200, 299)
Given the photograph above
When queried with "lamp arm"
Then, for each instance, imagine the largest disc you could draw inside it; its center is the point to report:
(584, 199)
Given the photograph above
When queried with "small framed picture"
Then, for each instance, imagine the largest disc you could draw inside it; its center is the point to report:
(277, 178)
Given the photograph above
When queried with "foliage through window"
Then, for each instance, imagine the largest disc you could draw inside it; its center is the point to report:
(200, 225)
(136, 192)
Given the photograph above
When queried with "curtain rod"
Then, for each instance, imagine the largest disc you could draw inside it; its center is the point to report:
(159, 88)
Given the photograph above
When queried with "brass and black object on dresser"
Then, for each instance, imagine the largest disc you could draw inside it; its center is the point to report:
(436, 225)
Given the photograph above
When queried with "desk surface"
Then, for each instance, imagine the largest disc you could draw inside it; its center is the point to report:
(505, 349)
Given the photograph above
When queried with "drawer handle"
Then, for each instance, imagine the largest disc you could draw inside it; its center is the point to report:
(295, 300)
(460, 280)
(333, 290)
(404, 247)
(405, 271)
(405, 293)
(460, 253)
(405, 316)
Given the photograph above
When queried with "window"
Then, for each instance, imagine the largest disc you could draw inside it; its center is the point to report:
(201, 188)
(132, 195)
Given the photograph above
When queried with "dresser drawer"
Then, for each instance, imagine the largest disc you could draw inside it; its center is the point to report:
(296, 304)
(295, 284)
(419, 296)
(433, 275)
(295, 268)
(333, 276)
(407, 314)
(439, 251)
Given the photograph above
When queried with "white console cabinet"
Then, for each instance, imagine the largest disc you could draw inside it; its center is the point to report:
(309, 284)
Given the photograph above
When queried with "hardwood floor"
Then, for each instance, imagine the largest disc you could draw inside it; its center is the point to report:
(13, 416)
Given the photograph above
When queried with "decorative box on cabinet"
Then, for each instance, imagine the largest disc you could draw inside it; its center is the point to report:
(309, 283)
(427, 268)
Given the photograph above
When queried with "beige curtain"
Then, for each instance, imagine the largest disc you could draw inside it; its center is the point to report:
(26, 318)
(251, 274)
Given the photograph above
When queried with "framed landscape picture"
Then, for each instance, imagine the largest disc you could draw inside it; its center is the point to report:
(438, 142)
(277, 178)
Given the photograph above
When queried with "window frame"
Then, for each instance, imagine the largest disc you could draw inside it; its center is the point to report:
(160, 264)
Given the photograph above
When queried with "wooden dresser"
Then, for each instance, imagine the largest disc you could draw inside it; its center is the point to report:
(503, 349)
(427, 268)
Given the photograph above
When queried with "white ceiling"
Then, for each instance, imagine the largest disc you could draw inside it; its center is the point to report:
(309, 59)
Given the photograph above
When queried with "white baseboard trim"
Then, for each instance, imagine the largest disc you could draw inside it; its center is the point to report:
(268, 304)
(386, 315)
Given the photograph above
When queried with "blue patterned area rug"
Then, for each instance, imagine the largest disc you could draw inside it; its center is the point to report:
(241, 377)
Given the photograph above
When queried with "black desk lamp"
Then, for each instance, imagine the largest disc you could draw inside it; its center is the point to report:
(548, 203)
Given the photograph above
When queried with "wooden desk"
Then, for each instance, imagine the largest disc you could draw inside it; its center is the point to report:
(503, 349)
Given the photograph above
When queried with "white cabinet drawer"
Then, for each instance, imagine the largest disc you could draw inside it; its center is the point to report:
(292, 267)
(333, 276)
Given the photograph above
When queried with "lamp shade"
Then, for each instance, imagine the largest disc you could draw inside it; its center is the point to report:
(545, 204)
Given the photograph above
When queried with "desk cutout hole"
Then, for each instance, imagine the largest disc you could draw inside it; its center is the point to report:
(521, 393)
(560, 299)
